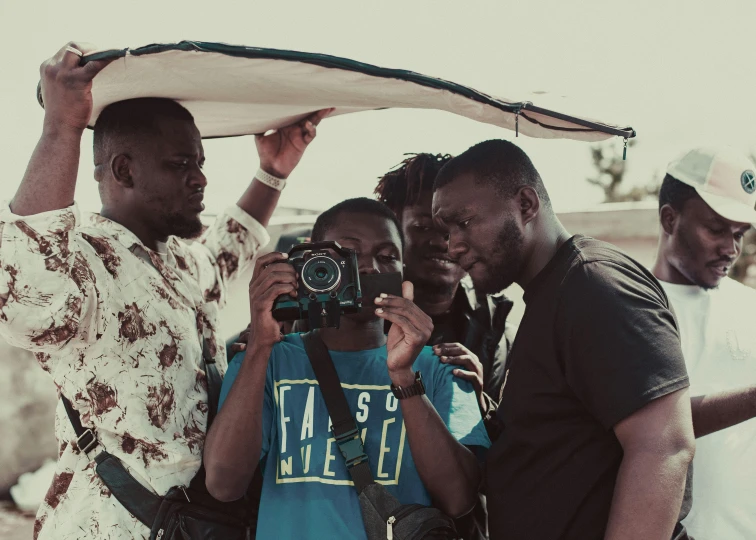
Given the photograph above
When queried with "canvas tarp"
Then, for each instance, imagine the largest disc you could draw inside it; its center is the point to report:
(235, 90)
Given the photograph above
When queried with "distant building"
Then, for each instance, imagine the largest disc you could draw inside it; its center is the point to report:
(632, 226)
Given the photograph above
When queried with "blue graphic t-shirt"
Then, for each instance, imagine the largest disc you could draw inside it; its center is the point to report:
(307, 492)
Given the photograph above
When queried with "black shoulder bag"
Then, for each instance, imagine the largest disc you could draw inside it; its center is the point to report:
(383, 515)
(185, 512)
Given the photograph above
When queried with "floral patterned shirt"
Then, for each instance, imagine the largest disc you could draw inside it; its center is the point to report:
(119, 328)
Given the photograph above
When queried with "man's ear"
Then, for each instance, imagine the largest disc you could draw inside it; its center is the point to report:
(529, 204)
(668, 217)
(120, 167)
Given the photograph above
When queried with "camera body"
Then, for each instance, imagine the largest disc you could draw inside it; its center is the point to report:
(329, 285)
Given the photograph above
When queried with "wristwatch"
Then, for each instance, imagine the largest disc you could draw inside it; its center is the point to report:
(415, 389)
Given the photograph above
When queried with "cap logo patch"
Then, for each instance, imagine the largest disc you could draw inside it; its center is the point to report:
(748, 181)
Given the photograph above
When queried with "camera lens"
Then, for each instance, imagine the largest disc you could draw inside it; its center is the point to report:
(321, 274)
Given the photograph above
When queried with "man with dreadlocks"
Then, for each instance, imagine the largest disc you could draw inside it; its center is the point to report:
(469, 330)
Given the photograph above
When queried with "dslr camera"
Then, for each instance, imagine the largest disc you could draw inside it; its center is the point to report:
(329, 285)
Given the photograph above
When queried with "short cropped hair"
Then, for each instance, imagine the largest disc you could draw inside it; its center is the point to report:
(415, 175)
(498, 163)
(125, 119)
(675, 193)
(359, 205)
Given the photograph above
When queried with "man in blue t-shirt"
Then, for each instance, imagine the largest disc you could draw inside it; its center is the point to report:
(273, 413)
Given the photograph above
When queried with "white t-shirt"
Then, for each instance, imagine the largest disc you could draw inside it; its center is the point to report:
(718, 332)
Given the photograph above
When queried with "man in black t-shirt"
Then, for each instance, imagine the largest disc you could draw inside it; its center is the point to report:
(595, 423)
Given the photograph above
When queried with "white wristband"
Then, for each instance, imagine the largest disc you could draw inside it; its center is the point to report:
(270, 180)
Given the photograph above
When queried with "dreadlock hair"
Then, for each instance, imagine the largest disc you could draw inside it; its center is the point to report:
(403, 186)
(675, 193)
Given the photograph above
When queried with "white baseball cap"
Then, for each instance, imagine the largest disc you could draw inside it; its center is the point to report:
(724, 178)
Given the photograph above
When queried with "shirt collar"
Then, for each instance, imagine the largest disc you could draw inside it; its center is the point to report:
(686, 290)
(472, 297)
(120, 233)
(497, 308)
(130, 240)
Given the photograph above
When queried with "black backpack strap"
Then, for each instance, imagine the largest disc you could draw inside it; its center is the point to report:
(140, 502)
(214, 382)
(345, 429)
(86, 440)
(137, 499)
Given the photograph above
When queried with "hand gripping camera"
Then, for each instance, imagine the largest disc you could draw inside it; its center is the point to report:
(329, 285)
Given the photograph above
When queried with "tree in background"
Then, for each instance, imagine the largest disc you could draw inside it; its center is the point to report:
(610, 172)
(744, 269)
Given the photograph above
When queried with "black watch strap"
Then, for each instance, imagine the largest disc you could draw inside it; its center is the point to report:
(415, 389)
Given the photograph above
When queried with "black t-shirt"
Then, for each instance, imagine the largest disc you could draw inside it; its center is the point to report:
(597, 342)
(482, 334)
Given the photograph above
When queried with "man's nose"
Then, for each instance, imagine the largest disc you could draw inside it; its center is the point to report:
(367, 265)
(730, 248)
(439, 240)
(456, 246)
(198, 178)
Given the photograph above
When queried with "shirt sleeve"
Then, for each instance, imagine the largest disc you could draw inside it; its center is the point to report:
(455, 401)
(267, 418)
(226, 249)
(621, 343)
(489, 410)
(48, 293)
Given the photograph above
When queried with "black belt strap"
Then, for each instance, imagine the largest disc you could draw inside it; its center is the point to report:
(345, 428)
(142, 503)
(139, 501)
(214, 383)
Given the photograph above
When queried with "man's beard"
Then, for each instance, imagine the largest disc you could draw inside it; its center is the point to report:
(182, 226)
(505, 261)
(688, 253)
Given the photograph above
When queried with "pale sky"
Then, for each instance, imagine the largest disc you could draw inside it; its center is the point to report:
(680, 73)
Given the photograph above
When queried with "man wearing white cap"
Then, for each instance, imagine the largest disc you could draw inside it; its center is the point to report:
(706, 205)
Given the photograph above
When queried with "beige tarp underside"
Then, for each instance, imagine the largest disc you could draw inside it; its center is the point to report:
(239, 96)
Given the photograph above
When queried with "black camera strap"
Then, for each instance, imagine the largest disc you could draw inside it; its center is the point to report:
(345, 429)
(142, 503)
(139, 501)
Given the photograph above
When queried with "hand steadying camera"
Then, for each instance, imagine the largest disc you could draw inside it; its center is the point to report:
(410, 330)
(272, 277)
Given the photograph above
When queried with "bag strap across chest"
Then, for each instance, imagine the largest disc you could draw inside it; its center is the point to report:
(137, 499)
(345, 429)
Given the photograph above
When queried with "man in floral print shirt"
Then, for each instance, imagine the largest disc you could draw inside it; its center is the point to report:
(115, 306)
